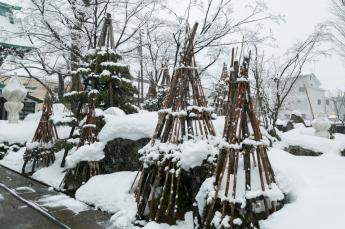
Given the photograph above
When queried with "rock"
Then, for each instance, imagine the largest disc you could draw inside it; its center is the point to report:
(122, 154)
(342, 152)
(300, 151)
(297, 119)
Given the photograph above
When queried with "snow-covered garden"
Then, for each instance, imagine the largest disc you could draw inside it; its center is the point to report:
(314, 185)
(169, 115)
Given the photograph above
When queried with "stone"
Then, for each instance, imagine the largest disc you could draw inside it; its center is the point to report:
(122, 154)
(300, 151)
(297, 119)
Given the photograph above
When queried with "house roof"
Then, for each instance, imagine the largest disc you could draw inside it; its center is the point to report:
(311, 76)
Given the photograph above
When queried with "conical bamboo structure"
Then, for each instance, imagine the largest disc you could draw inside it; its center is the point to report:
(165, 81)
(152, 92)
(84, 169)
(244, 181)
(89, 135)
(166, 189)
(39, 151)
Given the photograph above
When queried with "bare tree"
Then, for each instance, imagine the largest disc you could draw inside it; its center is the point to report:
(338, 25)
(284, 72)
(219, 30)
(339, 106)
(63, 31)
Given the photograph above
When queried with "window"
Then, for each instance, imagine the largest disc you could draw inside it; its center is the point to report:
(319, 101)
(301, 89)
(11, 18)
(327, 102)
(29, 107)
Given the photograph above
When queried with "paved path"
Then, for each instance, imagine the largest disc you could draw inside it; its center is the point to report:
(15, 214)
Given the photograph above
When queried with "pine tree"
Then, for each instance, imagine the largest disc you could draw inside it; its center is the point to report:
(163, 88)
(219, 95)
(100, 70)
(110, 77)
(151, 100)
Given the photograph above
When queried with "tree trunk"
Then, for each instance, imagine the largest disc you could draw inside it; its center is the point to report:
(61, 87)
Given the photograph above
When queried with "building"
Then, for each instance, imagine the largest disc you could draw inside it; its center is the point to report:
(309, 99)
(33, 101)
(12, 40)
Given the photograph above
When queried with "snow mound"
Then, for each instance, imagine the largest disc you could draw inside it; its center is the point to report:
(111, 193)
(321, 126)
(316, 185)
(305, 137)
(14, 160)
(92, 152)
(186, 224)
(114, 111)
(52, 175)
(58, 200)
(188, 154)
(17, 132)
(133, 126)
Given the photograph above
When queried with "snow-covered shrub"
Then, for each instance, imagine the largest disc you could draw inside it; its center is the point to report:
(322, 126)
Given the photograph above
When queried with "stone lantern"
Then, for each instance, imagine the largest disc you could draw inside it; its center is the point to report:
(321, 126)
(14, 92)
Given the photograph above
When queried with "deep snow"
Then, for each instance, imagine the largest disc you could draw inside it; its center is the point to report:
(315, 185)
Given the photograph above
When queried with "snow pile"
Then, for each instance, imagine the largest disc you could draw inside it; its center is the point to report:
(92, 152)
(111, 193)
(188, 154)
(305, 137)
(186, 224)
(14, 160)
(53, 174)
(321, 126)
(137, 126)
(315, 187)
(133, 126)
(17, 132)
(58, 200)
(24, 131)
(115, 111)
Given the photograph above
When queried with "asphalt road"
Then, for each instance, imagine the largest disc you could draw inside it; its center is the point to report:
(15, 214)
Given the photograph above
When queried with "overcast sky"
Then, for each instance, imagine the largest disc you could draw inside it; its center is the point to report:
(301, 17)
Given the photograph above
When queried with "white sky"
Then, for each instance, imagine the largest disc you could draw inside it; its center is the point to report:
(301, 17)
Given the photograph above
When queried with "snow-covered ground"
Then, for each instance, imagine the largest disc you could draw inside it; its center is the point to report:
(315, 185)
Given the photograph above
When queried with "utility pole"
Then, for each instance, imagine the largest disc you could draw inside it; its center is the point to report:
(311, 108)
(141, 78)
